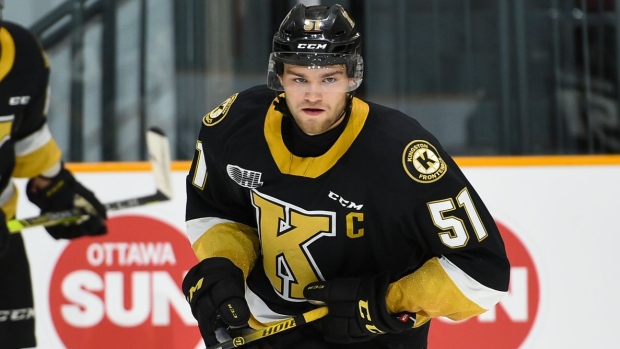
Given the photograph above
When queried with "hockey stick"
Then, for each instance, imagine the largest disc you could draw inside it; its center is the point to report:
(278, 327)
(159, 156)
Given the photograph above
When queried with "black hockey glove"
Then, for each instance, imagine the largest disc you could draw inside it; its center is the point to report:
(357, 309)
(65, 193)
(4, 234)
(215, 290)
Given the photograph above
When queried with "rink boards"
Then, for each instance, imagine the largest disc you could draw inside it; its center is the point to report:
(558, 216)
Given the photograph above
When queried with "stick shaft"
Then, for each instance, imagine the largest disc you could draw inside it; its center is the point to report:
(278, 327)
(74, 215)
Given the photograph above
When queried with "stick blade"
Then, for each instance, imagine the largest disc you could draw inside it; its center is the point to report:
(159, 156)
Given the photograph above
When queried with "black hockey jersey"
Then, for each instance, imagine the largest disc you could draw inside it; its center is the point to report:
(26, 145)
(385, 197)
(26, 150)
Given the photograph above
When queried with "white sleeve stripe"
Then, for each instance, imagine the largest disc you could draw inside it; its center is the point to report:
(196, 227)
(260, 310)
(47, 100)
(484, 296)
(33, 142)
(7, 118)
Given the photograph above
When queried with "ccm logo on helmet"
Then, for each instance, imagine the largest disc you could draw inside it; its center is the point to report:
(312, 46)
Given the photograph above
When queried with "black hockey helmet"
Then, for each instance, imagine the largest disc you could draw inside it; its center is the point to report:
(317, 36)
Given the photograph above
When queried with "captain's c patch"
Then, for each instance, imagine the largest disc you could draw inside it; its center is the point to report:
(422, 162)
(216, 115)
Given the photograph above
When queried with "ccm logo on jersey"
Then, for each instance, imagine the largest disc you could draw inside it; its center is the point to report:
(343, 202)
(19, 100)
(422, 162)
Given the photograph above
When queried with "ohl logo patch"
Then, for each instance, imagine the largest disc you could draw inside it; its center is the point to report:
(509, 323)
(216, 115)
(123, 290)
(422, 162)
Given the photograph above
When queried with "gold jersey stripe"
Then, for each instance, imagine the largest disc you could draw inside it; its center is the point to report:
(430, 293)
(7, 57)
(10, 207)
(234, 241)
(32, 164)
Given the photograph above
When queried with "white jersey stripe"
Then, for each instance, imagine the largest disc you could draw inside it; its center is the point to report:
(260, 310)
(484, 296)
(5, 118)
(196, 227)
(33, 142)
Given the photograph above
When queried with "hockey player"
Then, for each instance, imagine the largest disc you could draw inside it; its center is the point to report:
(27, 150)
(313, 196)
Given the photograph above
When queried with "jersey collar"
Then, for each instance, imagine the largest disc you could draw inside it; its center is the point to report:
(312, 167)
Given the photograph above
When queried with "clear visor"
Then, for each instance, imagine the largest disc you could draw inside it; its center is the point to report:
(314, 72)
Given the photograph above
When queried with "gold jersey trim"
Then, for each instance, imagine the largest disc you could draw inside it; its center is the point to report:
(7, 58)
(425, 292)
(312, 167)
(234, 241)
(10, 206)
(34, 163)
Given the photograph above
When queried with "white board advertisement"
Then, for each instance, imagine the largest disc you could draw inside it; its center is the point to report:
(122, 290)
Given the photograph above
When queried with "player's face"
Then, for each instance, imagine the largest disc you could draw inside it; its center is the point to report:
(316, 96)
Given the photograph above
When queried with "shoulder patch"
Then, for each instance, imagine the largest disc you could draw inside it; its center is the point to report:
(422, 162)
(216, 115)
